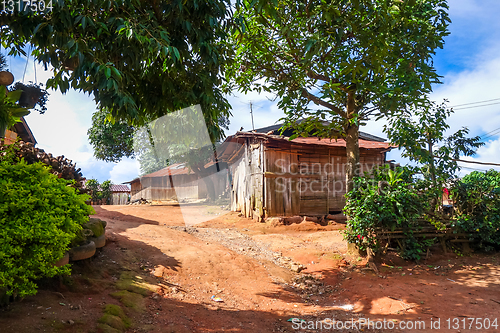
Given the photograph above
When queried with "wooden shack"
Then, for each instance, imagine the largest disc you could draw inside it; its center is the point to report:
(273, 176)
(176, 181)
(120, 194)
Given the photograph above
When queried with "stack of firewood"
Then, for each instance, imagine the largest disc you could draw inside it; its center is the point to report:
(60, 166)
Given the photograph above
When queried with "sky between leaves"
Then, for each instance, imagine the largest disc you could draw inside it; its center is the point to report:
(469, 62)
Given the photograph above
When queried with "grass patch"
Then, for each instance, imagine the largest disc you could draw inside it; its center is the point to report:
(117, 311)
(112, 321)
(132, 282)
(131, 300)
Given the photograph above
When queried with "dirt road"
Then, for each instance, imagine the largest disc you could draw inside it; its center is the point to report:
(235, 275)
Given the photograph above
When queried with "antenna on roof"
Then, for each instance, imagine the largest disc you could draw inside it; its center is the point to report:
(251, 114)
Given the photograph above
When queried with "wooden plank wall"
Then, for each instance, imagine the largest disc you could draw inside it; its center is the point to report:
(238, 187)
(154, 193)
(247, 182)
(186, 187)
(324, 191)
(256, 181)
(309, 180)
(281, 195)
(120, 198)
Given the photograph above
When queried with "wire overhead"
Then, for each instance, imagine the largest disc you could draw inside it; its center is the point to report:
(480, 102)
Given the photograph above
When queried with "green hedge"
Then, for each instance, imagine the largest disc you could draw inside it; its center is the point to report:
(39, 217)
(477, 208)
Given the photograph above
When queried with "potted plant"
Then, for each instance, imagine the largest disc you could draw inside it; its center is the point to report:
(32, 95)
(6, 78)
(10, 111)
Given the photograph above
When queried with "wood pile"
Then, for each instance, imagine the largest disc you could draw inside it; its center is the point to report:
(60, 166)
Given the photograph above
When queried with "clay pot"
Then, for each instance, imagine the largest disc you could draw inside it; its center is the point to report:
(63, 261)
(82, 252)
(99, 241)
(6, 78)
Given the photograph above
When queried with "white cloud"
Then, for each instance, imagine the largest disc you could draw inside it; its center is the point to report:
(489, 153)
(124, 171)
(476, 84)
(265, 111)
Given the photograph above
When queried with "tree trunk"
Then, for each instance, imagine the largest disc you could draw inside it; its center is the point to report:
(352, 144)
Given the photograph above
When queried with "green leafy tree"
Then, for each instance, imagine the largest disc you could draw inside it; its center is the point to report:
(420, 133)
(94, 189)
(106, 192)
(111, 140)
(386, 199)
(335, 64)
(139, 59)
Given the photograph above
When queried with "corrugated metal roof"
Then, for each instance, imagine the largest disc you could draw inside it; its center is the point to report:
(365, 144)
(120, 188)
(174, 169)
(341, 143)
(114, 188)
(274, 129)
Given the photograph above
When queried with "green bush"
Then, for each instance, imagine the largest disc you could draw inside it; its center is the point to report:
(477, 207)
(385, 199)
(39, 217)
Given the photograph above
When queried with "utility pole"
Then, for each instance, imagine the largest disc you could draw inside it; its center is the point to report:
(251, 114)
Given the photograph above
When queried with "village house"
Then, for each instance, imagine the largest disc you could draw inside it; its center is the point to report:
(177, 181)
(120, 194)
(273, 176)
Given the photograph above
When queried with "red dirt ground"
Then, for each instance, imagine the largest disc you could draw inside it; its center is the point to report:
(257, 295)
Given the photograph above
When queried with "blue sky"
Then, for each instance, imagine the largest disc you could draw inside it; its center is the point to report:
(469, 62)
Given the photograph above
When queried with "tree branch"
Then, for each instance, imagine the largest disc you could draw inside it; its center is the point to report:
(321, 102)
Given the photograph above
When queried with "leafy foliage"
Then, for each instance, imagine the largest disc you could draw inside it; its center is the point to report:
(421, 133)
(10, 111)
(384, 199)
(99, 191)
(114, 140)
(477, 204)
(39, 217)
(111, 140)
(334, 64)
(140, 59)
(93, 187)
(106, 191)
